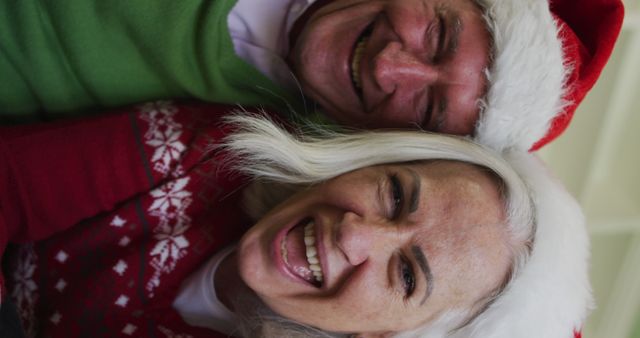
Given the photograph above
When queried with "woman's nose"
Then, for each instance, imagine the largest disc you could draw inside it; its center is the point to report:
(360, 239)
(397, 68)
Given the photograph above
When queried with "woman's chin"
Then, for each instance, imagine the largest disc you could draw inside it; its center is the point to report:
(250, 260)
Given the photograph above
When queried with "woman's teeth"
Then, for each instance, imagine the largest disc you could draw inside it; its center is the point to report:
(312, 251)
(355, 63)
(306, 262)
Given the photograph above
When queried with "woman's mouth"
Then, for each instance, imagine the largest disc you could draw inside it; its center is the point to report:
(356, 58)
(300, 253)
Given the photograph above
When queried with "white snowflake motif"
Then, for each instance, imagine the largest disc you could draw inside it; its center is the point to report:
(170, 199)
(25, 290)
(25, 287)
(159, 115)
(168, 149)
(163, 134)
(171, 245)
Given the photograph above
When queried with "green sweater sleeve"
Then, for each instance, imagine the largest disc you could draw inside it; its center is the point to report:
(61, 57)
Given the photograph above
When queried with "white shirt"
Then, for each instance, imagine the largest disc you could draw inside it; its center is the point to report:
(260, 34)
(197, 302)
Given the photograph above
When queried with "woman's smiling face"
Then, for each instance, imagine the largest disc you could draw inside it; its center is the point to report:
(381, 249)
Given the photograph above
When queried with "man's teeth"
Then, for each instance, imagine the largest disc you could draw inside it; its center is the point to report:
(355, 63)
(312, 252)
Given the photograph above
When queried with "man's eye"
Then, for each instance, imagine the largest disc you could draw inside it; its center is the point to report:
(441, 39)
(407, 277)
(397, 196)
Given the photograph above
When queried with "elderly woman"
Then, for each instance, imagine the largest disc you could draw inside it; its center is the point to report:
(139, 232)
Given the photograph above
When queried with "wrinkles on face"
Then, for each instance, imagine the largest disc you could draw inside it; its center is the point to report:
(422, 66)
(398, 245)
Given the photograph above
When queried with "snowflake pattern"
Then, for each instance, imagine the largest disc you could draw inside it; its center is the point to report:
(171, 244)
(163, 134)
(25, 286)
(25, 289)
(170, 200)
(168, 245)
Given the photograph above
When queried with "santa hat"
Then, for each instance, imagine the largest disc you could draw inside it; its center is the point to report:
(546, 57)
(550, 295)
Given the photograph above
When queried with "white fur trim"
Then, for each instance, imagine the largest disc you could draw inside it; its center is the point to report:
(551, 295)
(527, 75)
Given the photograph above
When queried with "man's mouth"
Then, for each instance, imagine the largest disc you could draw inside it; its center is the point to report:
(299, 250)
(356, 58)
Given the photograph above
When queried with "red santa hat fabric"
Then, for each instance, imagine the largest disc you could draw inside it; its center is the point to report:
(546, 56)
(588, 30)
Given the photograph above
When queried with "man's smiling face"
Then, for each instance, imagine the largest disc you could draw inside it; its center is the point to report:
(396, 63)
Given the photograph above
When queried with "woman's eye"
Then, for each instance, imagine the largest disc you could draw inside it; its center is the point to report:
(407, 277)
(397, 196)
(429, 109)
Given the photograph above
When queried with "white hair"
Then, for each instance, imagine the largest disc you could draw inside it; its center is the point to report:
(273, 156)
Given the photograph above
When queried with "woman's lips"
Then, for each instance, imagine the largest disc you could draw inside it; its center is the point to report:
(299, 253)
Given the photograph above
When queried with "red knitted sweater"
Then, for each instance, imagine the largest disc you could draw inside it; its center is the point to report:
(115, 212)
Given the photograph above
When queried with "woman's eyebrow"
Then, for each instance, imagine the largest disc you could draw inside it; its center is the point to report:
(424, 267)
(414, 199)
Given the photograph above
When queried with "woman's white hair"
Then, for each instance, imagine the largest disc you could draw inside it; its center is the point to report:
(281, 162)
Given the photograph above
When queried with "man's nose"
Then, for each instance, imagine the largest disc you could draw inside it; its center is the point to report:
(395, 67)
(360, 238)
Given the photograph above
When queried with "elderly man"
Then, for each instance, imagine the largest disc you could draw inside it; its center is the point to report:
(505, 71)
